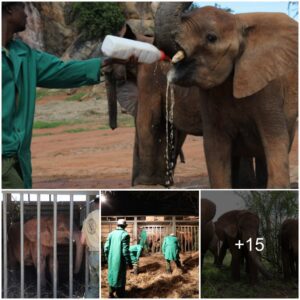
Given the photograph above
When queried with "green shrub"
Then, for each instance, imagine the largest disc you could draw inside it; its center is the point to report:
(97, 19)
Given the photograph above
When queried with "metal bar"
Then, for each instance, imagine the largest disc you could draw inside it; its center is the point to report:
(71, 247)
(22, 243)
(5, 238)
(160, 237)
(86, 252)
(38, 246)
(55, 246)
(174, 224)
(194, 239)
(135, 229)
(185, 240)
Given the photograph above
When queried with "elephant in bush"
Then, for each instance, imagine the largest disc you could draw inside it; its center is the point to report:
(288, 241)
(141, 91)
(246, 66)
(208, 211)
(30, 244)
(239, 226)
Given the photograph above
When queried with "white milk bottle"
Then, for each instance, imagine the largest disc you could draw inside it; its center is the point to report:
(121, 48)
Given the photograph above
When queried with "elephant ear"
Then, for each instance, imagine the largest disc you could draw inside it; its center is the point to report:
(231, 230)
(127, 96)
(30, 232)
(270, 51)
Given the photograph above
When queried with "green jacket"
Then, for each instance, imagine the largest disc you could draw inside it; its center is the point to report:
(24, 69)
(116, 250)
(135, 253)
(143, 239)
(171, 248)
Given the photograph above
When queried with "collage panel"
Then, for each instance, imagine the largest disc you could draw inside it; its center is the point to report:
(50, 244)
(150, 244)
(136, 120)
(74, 91)
(249, 244)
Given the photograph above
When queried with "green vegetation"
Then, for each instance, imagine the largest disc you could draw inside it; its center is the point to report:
(41, 93)
(272, 208)
(50, 124)
(76, 97)
(217, 283)
(97, 19)
(77, 130)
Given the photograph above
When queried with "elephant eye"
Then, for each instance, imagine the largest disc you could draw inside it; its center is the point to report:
(211, 38)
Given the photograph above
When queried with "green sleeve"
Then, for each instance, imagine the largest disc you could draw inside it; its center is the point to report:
(107, 246)
(138, 254)
(55, 73)
(125, 248)
(163, 246)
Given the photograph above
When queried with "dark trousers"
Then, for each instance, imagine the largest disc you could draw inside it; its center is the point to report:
(120, 292)
(168, 264)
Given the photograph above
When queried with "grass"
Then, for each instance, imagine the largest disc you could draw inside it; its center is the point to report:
(77, 130)
(43, 92)
(217, 283)
(49, 124)
(42, 134)
(76, 97)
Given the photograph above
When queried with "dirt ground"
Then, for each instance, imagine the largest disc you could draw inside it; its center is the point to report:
(74, 147)
(154, 282)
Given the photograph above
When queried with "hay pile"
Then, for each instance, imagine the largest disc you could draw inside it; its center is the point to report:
(154, 282)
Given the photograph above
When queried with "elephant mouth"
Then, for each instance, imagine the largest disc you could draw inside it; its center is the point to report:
(182, 73)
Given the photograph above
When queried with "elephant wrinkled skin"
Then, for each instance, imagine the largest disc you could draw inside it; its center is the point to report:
(288, 241)
(235, 226)
(208, 211)
(247, 67)
(30, 244)
(141, 91)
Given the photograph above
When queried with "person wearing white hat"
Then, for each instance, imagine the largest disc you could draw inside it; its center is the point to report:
(116, 250)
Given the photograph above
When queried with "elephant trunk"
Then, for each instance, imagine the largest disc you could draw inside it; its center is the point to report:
(79, 251)
(254, 257)
(111, 91)
(167, 18)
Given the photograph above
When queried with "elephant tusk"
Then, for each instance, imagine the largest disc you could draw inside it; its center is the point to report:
(178, 57)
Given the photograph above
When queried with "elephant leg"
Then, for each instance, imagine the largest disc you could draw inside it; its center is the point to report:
(180, 139)
(252, 269)
(33, 250)
(292, 264)
(286, 264)
(243, 175)
(51, 267)
(261, 173)
(217, 150)
(222, 253)
(149, 164)
(235, 261)
(276, 142)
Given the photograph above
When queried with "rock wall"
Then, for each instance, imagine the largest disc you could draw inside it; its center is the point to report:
(51, 27)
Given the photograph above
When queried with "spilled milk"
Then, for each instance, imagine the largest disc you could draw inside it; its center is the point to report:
(170, 136)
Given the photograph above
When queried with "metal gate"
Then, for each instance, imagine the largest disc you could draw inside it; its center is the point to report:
(187, 231)
(36, 204)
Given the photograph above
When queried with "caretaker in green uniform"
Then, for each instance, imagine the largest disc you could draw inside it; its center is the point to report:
(135, 253)
(116, 250)
(24, 69)
(143, 240)
(170, 250)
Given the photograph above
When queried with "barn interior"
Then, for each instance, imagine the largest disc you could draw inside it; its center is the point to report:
(159, 213)
(82, 204)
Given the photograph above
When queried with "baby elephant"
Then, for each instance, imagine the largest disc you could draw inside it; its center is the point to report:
(288, 241)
